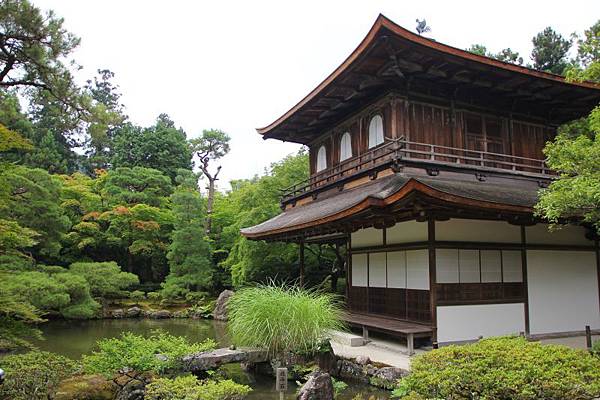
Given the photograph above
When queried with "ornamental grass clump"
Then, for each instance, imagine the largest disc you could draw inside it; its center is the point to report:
(282, 319)
(501, 369)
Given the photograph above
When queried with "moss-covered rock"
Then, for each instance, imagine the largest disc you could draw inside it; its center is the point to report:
(86, 387)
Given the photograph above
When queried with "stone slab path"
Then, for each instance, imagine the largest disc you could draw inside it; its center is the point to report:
(206, 360)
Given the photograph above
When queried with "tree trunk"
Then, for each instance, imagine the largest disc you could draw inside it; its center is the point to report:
(209, 204)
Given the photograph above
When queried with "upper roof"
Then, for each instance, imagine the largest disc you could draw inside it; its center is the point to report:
(391, 57)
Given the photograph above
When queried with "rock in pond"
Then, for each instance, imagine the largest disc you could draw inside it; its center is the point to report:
(381, 376)
(318, 387)
(134, 312)
(220, 312)
(118, 313)
(387, 377)
(161, 314)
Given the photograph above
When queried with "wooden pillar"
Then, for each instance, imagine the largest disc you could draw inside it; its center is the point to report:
(525, 284)
(432, 276)
(348, 266)
(394, 117)
(302, 264)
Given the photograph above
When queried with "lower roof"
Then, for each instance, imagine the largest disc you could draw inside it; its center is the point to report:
(385, 192)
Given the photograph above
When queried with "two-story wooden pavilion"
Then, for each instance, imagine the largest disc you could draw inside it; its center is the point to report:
(427, 161)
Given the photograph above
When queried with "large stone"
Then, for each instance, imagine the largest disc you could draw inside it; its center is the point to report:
(133, 389)
(363, 360)
(161, 314)
(134, 312)
(220, 312)
(318, 387)
(208, 360)
(351, 370)
(118, 313)
(387, 377)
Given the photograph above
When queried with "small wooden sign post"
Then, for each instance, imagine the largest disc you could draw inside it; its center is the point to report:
(281, 382)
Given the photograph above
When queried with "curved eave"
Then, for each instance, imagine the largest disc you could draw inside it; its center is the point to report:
(412, 186)
(383, 22)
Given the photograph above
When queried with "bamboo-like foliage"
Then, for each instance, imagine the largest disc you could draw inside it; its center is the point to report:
(282, 319)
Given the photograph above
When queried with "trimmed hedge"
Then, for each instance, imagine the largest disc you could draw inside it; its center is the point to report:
(502, 369)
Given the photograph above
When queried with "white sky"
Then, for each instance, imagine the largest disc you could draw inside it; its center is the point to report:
(239, 65)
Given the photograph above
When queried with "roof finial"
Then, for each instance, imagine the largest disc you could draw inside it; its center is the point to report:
(422, 27)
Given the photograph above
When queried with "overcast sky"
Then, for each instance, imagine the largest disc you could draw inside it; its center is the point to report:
(239, 65)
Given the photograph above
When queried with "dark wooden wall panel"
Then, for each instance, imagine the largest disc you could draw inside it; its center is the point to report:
(439, 125)
(479, 293)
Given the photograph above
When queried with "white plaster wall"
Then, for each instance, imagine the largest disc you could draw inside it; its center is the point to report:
(359, 270)
(512, 266)
(396, 269)
(491, 266)
(473, 230)
(458, 323)
(566, 235)
(367, 237)
(417, 269)
(447, 265)
(407, 232)
(563, 291)
(377, 270)
(469, 266)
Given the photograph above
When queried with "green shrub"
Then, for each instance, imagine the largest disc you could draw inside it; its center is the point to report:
(82, 305)
(154, 296)
(140, 353)
(503, 368)
(34, 375)
(596, 348)
(195, 297)
(190, 388)
(338, 387)
(202, 310)
(105, 278)
(58, 291)
(281, 319)
(137, 295)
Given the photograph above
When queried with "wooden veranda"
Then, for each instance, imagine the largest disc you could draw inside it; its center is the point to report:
(395, 327)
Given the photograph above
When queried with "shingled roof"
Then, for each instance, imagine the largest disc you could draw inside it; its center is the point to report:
(390, 55)
(386, 191)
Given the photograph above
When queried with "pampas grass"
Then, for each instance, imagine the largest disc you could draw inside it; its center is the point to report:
(282, 319)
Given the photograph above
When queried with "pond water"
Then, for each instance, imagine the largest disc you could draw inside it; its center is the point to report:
(75, 338)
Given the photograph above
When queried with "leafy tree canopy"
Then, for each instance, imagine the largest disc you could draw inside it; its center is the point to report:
(575, 152)
(161, 146)
(124, 185)
(550, 51)
(189, 255)
(33, 47)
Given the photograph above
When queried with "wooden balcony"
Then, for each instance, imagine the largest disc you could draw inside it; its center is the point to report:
(427, 155)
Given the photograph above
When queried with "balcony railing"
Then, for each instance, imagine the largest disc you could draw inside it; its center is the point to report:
(431, 154)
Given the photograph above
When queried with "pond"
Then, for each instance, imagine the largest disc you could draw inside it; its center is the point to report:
(75, 338)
